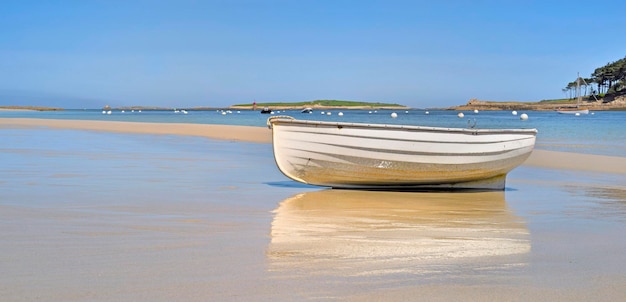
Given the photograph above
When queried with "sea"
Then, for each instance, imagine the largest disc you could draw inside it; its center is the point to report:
(600, 132)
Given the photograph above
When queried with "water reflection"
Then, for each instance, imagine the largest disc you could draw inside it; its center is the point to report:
(598, 202)
(368, 233)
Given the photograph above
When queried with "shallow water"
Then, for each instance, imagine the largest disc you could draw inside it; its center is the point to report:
(107, 216)
(598, 133)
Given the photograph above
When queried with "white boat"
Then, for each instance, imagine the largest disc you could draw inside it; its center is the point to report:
(397, 157)
(575, 110)
(307, 110)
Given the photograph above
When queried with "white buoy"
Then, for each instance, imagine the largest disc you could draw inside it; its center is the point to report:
(104, 112)
(370, 112)
(340, 114)
(514, 112)
(523, 117)
(109, 112)
(394, 115)
(475, 110)
(460, 115)
(426, 112)
(322, 112)
(223, 112)
(577, 114)
(406, 111)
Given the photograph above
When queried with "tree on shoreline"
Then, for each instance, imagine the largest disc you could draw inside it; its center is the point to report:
(609, 79)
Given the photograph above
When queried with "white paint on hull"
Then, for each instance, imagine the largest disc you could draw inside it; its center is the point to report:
(348, 155)
(574, 111)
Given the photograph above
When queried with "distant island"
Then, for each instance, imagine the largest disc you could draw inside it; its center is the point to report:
(32, 108)
(618, 103)
(319, 104)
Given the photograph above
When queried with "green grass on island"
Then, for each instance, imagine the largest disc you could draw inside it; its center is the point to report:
(323, 103)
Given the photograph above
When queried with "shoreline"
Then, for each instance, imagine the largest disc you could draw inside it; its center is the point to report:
(618, 104)
(539, 158)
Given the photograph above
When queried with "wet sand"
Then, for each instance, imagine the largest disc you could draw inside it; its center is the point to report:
(105, 216)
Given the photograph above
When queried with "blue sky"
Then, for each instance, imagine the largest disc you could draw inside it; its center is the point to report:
(85, 54)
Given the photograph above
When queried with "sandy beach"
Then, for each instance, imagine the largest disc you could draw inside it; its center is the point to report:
(225, 132)
(120, 211)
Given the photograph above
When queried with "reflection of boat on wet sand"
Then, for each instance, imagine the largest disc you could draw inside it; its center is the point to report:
(366, 232)
(376, 156)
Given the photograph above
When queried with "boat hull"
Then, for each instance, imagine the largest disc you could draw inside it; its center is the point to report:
(394, 157)
(573, 111)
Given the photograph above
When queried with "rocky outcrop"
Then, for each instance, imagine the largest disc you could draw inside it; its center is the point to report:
(618, 103)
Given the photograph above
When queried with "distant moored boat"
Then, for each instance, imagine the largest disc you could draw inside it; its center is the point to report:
(577, 109)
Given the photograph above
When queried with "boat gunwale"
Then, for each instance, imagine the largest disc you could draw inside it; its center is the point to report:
(473, 131)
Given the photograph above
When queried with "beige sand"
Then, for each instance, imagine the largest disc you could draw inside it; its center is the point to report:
(15, 109)
(539, 158)
(577, 161)
(225, 132)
